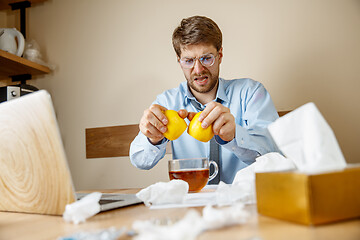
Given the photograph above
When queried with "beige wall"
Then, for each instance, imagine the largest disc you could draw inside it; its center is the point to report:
(113, 57)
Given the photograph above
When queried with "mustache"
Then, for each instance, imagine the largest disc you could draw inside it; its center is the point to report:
(204, 74)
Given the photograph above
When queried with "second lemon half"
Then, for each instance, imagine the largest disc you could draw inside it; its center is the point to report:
(196, 131)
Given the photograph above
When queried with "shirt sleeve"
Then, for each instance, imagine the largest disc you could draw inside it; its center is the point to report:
(145, 155)
(252, 138)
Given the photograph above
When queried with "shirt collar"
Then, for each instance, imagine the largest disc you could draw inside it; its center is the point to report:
(220, 94)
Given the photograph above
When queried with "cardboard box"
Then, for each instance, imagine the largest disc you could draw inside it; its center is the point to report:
(309, 199)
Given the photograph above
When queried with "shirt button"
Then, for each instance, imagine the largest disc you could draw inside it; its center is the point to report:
(233, 148)
(242, 142)
(153, 151)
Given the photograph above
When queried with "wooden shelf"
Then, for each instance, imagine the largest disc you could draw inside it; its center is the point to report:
(4, 4)
(11, 65)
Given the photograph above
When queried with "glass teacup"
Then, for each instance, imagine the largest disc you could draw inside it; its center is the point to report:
(194, 171)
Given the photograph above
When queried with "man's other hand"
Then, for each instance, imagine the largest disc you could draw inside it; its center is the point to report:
(223, 121)
(153, 123)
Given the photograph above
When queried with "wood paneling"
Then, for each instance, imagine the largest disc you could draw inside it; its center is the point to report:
(110, 141)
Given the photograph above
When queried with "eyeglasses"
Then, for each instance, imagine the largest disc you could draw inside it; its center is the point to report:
(206, 60)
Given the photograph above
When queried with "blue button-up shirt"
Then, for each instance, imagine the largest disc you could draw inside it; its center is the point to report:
(253, 109)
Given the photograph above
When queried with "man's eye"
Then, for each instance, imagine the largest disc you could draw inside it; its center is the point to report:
(206, 59)
(189, 61)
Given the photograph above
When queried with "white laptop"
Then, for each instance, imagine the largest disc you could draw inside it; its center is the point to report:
(34, 175)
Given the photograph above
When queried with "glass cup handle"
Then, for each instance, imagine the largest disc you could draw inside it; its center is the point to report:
(216, 169)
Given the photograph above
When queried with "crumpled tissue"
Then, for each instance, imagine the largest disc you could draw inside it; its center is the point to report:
(164, 192)
(81, 210)
(192, 224)
(305, 137)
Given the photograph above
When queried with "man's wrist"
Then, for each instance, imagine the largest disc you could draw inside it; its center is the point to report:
(154, 142)
(220, 140)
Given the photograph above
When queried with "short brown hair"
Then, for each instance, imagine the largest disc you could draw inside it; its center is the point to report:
(195, 30)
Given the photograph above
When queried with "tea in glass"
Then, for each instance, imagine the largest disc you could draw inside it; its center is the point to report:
(194, 171)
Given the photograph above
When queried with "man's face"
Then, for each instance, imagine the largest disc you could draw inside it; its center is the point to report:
(200, 78)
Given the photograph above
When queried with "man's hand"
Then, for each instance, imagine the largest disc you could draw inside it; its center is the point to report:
(153, 122)
(221, 118)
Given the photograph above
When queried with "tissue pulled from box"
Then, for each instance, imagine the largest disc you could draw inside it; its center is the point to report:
(81, 210)
(305, 137)
(164, 193)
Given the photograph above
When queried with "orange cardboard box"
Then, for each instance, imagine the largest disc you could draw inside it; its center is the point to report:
(310, 199)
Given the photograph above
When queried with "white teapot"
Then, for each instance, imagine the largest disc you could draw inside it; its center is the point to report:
(8, 37)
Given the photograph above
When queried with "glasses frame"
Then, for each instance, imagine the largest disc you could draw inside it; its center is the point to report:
(182, 60)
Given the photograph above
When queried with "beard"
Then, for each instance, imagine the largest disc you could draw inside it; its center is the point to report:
(211, 79)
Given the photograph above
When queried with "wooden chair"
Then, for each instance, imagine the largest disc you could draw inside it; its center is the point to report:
(115, 141)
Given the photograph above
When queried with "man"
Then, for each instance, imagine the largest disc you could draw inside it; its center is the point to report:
(239, 109)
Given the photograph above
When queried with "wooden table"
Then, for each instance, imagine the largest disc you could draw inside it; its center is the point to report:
(33, 226)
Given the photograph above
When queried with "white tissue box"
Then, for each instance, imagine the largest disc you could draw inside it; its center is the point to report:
(309, 198)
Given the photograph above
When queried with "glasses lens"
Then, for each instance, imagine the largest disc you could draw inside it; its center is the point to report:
(187, 62)
(207, 60)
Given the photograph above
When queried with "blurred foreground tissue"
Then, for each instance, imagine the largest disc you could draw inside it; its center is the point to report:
(192, 224)
(164, 192)
(305, 137)
(86, 207)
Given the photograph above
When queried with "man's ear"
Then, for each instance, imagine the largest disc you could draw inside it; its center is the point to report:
(220, 54)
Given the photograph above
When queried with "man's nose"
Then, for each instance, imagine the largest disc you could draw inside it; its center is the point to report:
(198, 67)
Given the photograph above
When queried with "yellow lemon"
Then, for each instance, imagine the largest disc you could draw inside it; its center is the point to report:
(176, 125)
(196, 131)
